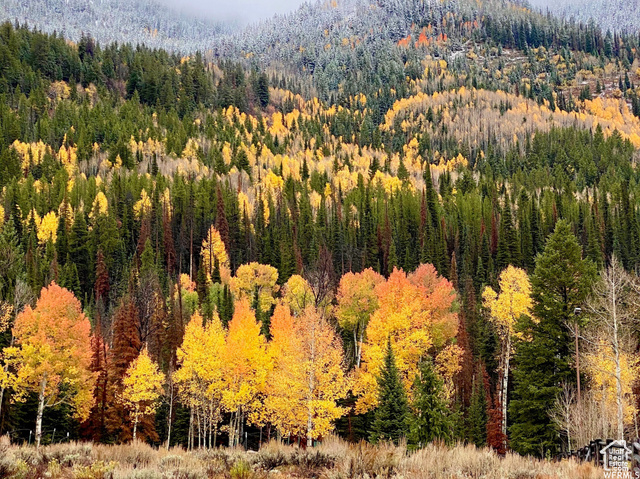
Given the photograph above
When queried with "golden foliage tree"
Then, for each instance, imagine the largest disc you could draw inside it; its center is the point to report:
(284, 387)
(200, 380)
(142, 388)
(505, 310)
(325, 381)
(245, 370)
(297, 294)
(357, 301)
(214, 251)
(307, 376)
(255, 278)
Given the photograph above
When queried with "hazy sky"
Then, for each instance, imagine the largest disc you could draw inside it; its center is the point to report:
(241, 10)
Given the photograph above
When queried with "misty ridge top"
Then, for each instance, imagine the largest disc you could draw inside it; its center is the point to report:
(612, 15)
(147, 22)
(189, 27)
(186, 28)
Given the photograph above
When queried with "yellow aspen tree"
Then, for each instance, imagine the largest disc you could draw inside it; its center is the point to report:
(142, 387)
(100, 207)
(323, 366)
(297, 294)
(256, 279)
(357, 301)
(200, 380)
(52, 354)
(245, 370)
(284, 396)
(612, 361)
(505, 311)
(213, 249)
(142, 207)
(48, 228)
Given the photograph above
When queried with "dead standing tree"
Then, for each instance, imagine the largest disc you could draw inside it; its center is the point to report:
(610, 342)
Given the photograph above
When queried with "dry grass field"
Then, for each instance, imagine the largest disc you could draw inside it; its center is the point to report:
(334, 459)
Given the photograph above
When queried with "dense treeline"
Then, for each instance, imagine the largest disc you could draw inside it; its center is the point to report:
(178, 203)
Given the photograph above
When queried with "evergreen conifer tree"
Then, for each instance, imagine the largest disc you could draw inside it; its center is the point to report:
(429, 419)
(477, 416)
(390, 418)
(560, 283)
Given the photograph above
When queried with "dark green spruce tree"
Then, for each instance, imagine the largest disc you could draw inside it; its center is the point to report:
(429, 420)
(477, 415)
(390, 419)
(560, 283)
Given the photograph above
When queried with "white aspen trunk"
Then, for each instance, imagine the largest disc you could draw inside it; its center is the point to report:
(135, 423)
(43, 386)
(311, 389)
(6, 368)
(210, 421)
(231, 426)
(356, 346)
(135, 428)
(361, 340)
(199, 428)
(191, 429)
(619, 401)
(170, 414)
(505, 386)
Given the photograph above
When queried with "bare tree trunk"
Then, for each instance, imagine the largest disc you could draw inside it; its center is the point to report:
(577, 334)
(199, 428)
(505, 386)
(169, 421)
(616, 350)
(190, 446)
(43, 386)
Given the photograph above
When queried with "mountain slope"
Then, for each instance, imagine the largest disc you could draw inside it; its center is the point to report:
(123, 21)
(613, 15)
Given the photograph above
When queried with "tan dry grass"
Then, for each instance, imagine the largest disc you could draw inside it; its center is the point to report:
(333, 459)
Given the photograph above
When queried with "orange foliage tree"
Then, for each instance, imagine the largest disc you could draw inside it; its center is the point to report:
(52, 355)
(417, 313)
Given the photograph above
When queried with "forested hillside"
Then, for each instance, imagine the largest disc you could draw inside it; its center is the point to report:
(384, 232)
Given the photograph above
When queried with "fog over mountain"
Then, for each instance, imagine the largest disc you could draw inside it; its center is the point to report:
(242, 11)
